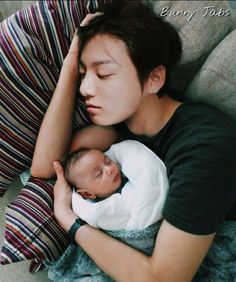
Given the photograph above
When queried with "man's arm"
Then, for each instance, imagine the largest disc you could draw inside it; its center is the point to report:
(55, 132)
(176, 257)
(94, 137)
(53, 142)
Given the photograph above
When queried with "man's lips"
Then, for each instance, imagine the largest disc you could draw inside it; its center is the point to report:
(92, 108)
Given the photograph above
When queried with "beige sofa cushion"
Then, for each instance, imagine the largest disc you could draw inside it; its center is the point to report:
(199, 33)
(215, 83)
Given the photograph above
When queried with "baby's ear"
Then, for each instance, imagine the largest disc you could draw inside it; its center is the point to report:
(86, 195)
(90, 196)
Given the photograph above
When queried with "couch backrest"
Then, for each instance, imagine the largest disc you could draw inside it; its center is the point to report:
(207, 70)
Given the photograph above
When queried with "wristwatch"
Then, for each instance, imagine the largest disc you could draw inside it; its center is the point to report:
(74, 227)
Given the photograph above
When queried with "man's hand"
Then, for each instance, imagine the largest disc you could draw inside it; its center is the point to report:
(74, 47)
(62, 199)
(71, 60)
(89, 17)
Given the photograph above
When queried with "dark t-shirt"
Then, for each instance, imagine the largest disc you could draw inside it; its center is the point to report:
(198, 147)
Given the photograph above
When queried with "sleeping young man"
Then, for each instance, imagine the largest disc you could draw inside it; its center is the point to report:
(126, 56)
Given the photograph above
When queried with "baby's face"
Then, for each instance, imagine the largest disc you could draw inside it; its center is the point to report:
(96, 174)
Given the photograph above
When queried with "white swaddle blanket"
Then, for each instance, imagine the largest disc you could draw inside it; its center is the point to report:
(142, 198)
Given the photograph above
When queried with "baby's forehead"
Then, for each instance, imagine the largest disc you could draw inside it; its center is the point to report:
(90, 159)
(94, 156)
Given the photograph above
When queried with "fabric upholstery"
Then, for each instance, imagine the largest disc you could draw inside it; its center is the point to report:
(31, 229)
(199, 34)
(34, 42)
(215, 83)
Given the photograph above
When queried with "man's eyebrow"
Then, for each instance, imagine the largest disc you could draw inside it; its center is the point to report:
(97, 63)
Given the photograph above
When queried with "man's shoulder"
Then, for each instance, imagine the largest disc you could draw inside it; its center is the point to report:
(201, 120)
(200, 109)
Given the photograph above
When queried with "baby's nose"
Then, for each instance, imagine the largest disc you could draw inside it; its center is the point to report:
(111, 170)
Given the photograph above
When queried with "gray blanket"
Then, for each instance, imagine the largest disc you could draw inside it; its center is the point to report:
(76, 265)
(220, 262)
(218, 266)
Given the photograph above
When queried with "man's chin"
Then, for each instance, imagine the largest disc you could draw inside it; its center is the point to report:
(103, 121)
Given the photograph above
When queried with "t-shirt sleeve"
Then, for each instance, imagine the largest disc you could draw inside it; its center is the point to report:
(201, 183)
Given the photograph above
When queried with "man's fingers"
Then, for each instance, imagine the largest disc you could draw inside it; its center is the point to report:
(58, 169)
(74, 46)
(89, 17)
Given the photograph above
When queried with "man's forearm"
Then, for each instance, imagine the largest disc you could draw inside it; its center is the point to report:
(94, 137)
(55, 132)
(115, 258)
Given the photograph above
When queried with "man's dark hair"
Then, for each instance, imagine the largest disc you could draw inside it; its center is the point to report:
(150, 41)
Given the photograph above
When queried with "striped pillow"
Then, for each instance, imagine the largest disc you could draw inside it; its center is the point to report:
(31, 229)
(34, 42)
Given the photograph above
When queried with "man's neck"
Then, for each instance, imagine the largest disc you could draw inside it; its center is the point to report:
(152, 115)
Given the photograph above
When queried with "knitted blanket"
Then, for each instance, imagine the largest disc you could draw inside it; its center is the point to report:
(220, 262)
(76, 265)
(218, 266)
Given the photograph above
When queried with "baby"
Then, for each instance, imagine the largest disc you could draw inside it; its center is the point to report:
(123, 188)
(93, 174)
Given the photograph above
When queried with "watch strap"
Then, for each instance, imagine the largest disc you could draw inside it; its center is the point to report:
(74, 227)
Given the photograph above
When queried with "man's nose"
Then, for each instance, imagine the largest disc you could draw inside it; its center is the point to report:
(87, 86)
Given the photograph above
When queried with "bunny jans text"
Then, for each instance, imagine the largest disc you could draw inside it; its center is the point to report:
(210, 11)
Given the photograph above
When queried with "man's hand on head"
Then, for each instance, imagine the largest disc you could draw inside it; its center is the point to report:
(71, 60)
(90, 17)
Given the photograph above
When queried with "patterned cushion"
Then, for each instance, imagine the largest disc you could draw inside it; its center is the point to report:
(31, 230)
(34, 42)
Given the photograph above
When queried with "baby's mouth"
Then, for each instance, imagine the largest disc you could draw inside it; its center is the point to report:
(116, 178)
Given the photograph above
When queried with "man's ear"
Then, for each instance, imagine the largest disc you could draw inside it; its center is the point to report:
(86, 195)
(156, 79)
